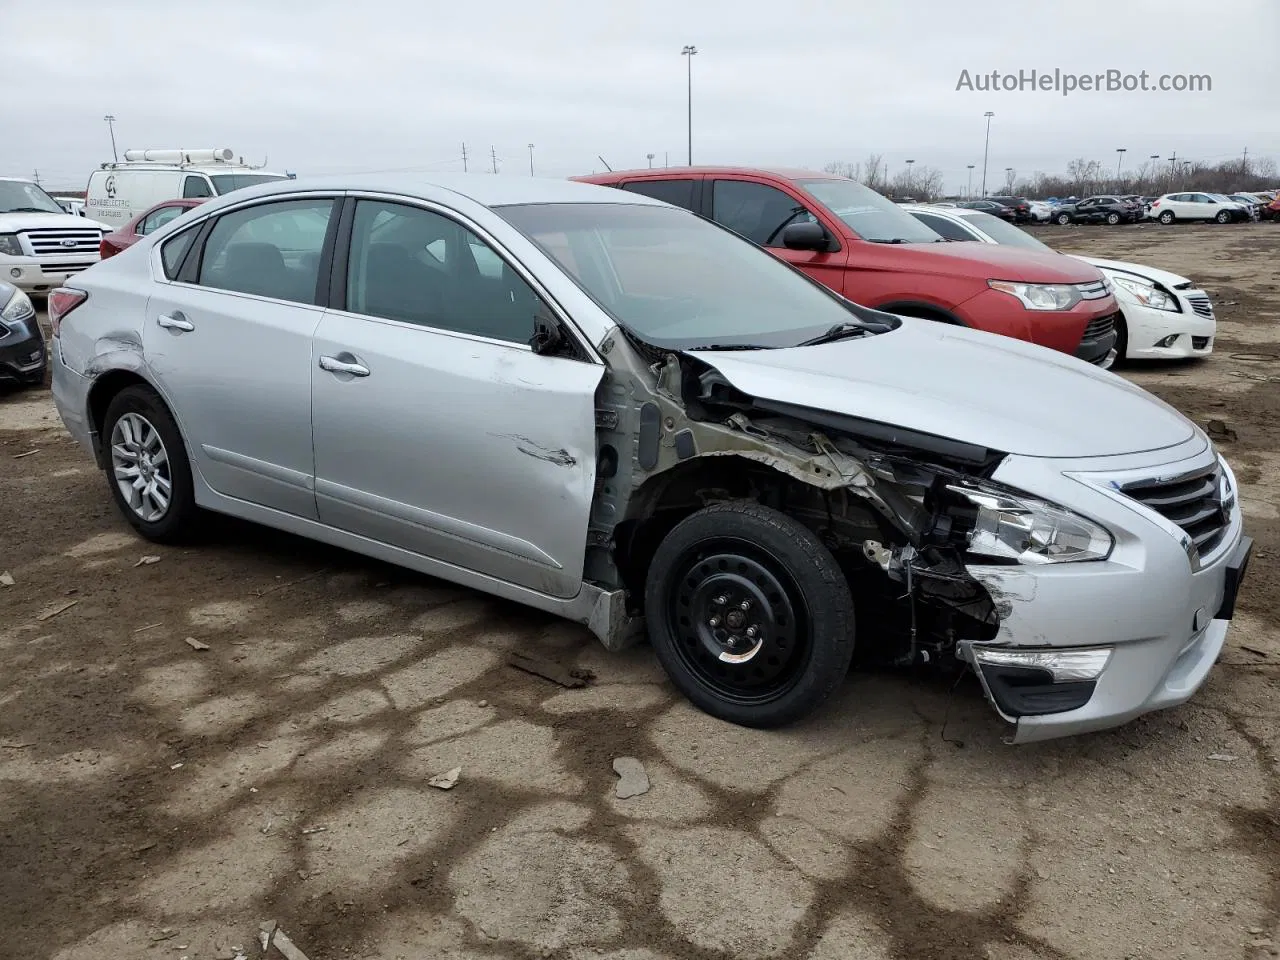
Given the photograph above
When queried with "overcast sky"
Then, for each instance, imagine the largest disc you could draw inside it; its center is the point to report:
(326, 86)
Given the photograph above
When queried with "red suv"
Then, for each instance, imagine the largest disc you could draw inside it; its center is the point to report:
(872, 251)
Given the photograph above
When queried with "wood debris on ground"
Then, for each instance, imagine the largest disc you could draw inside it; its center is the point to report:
(147, 560)
(54, 611)
(270, 935)
(195, 644)
(571, 678)
(445, 781)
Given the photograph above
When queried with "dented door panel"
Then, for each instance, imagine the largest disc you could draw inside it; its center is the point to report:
(470, 451)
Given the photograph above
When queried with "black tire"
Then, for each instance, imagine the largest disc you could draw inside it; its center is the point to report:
(1113, 218)
(181, 518)
(1224, 216)
(1166, 216)
(1122, 342)
(705, 568)
(1062, 219)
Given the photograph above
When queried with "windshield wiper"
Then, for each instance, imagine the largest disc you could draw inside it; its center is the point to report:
(839, 332)
(730, 346)
(31, 210)
(890, 240)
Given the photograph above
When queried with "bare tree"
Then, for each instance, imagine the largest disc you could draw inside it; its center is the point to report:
(844, 168)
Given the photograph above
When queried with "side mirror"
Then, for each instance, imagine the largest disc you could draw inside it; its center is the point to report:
(806, 236)
(547, 335)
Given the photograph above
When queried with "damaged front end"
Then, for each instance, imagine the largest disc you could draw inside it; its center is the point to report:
(674, 436)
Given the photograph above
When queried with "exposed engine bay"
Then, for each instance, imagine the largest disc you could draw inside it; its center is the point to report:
(674, 436)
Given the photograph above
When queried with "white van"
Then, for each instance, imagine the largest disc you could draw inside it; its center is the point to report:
(120, 191)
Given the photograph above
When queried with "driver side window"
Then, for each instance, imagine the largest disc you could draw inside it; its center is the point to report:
(756, 211)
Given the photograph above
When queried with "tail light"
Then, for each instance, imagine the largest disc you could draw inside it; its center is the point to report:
(104, 249)
(61, 302)
(1155, 203)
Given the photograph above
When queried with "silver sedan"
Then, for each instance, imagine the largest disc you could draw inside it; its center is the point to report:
(605, 407)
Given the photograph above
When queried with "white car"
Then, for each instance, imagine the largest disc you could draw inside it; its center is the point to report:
(41, 245)
(1196, 206)
(1165, 316)
(1041, 211)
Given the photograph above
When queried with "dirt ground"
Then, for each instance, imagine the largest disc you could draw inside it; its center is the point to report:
(159, 801)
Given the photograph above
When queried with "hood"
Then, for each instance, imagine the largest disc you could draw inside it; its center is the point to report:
(988, 261)
(965, 385)
(1162, 277)
(13, 222)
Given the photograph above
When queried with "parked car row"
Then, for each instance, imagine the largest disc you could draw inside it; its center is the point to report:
(637, 415)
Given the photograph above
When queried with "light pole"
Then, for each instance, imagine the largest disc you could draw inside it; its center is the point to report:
(531, 159)
(909, 163)
(968, 191)
(690, 51)
(1155, 168)
(1008, 179)
(989, 114)
(1119, 160)
(111, 126)
(649, 157)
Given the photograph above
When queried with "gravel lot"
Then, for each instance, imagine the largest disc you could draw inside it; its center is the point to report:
(157, 800)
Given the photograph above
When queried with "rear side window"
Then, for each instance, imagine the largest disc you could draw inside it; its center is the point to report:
(196, 187)
(173, 252)
(944, 227)
(270, 250)
(158, 218)
(678, 192)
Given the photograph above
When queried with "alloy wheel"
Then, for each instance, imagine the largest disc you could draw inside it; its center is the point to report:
(140, 465)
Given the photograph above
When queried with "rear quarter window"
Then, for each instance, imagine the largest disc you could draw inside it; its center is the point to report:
(676, 192)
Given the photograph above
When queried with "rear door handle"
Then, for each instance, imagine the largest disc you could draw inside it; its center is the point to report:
(175, 322)
(336, 365)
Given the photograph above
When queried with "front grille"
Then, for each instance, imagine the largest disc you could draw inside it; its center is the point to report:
(1094, 291)
(1099, 327)
(1199, 343)
(66, 267)
(50, 243)
(1194, 502)
(1201, 305)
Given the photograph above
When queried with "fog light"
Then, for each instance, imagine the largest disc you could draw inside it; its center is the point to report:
(1167, 341)
(1062, 665)
(15, 273)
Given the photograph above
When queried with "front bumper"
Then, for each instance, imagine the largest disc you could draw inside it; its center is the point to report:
(1147, 328)
(32, 276)
(1162, 612)
(23, 356)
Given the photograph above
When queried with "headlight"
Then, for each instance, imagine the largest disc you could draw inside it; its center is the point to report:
(18, 308)
(1040, 296)
(9, 245)
(1147, 293)
(1016, 527)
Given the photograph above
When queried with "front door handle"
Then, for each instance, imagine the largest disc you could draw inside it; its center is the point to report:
(175, 322)
(336, 365)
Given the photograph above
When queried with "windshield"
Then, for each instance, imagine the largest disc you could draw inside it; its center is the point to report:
(678, 281)
(869, 215)
(1006, 234)
(226, 182)
(21, 196)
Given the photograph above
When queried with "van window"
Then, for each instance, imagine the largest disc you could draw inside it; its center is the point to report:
(196, 187)
(271, 249)
(226, 182)
(678, 192)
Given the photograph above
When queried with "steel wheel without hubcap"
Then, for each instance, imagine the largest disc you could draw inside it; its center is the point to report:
(740, 622)
(141, 468)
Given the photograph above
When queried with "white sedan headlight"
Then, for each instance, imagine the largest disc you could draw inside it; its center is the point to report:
(1146, 293)
(1021, 528)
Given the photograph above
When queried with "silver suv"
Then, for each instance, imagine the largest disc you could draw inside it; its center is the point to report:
(608, 408)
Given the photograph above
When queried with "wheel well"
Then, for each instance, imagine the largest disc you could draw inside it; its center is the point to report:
(666, 499)
(924, 311)
(102, 392)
